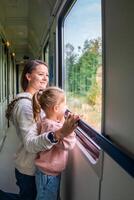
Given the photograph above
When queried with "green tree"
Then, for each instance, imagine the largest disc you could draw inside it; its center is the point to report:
(71, 58)
(81, 71)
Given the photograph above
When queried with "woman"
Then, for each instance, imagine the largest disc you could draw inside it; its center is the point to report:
(34, 77)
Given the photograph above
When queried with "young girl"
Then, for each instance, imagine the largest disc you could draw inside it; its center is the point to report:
(52, 162)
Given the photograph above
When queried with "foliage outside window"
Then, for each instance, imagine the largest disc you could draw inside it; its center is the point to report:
(83, 61)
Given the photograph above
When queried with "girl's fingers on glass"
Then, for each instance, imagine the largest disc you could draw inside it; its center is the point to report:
(76, 118)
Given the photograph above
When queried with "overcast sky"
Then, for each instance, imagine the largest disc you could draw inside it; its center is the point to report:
(83, 22)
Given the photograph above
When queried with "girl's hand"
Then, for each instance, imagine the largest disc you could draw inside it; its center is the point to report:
(70, 124)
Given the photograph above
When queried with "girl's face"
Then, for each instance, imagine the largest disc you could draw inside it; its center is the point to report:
(38, 78)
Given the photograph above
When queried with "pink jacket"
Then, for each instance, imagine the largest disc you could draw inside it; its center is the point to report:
(53, 161)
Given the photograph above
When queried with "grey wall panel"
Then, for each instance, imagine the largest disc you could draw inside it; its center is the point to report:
(119, 66)
(116, 183)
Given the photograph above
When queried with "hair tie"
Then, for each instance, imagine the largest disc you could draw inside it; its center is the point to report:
(40, 92)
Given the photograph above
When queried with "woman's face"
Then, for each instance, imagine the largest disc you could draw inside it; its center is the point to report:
(38, 78)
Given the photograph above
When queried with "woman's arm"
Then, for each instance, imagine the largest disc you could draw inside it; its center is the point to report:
(27, 128)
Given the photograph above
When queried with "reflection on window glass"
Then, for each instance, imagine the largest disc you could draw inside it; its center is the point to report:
(83, 61)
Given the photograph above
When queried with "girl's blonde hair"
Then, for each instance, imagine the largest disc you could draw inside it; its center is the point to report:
(45, 99)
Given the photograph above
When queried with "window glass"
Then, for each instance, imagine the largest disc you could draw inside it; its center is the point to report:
(0, 70)
(83, 61)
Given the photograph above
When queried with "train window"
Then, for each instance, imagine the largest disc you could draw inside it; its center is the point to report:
(46, 53)
(3, 71)
(47, 50)
(83, 61)
(52, 59)
(0, 70)
(11, 76)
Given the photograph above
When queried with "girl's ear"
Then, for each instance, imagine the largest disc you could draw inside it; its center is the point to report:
(56, 108)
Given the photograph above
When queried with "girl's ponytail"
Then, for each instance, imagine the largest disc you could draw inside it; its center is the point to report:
(36, 105)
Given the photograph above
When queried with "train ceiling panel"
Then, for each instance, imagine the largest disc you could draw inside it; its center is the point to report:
(24, 24)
